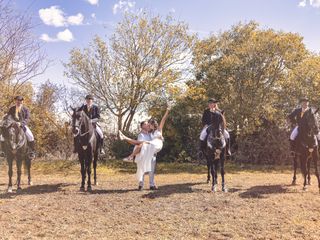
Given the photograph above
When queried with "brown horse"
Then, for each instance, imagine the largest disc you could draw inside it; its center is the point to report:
(16, 147)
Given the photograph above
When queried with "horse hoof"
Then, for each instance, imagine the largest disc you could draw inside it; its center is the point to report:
(19, 189)
(9, 189)
(89, 189)
(208, 181)
(224, 189)
(309, 183)
(305, 188)
(30, 183)
(95, 183)
(81, 189)
(214, 188)
(294, 183)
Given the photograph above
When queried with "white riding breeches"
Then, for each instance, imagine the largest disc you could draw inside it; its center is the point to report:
(204, 133)
(294, 134)
(29, 135)
(99, 131)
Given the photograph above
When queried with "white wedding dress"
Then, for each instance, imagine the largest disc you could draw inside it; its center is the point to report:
(148, 150)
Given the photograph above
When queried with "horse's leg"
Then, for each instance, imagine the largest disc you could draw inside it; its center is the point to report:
(315, 158)
(309, 159)
(19, 166)
(10, 160)
(216, 167)
(88, 163)
(304, 169)
(83, 172)
(208, 166)
(212, 168)
(29, 170)
(295, 165)
(222, 159)
(95, 160)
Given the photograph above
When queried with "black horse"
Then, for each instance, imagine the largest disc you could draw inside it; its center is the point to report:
(307, 148)
(215, 154)
(86, 145)
(15, 147)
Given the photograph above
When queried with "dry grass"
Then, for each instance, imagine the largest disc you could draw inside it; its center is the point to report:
(259, 205)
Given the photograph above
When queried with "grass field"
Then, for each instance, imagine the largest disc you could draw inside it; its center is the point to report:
(260, 204)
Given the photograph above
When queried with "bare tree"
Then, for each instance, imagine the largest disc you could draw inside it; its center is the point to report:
(146, 55)
(21, 57)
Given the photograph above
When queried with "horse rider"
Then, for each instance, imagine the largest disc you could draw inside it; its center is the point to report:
(93, 112)
(21, 114)
(207, 120)
(297, 118)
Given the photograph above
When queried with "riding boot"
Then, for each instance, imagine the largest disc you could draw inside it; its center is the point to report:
(31, 148)
(3, 147)
(102, 152)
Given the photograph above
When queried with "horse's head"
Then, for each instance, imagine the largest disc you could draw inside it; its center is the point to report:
(309, 130)
(13, 134)
(216, 141)
(76, 121)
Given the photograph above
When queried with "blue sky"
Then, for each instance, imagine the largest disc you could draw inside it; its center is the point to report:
(64, 24)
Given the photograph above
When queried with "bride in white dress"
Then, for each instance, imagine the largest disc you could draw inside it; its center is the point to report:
(146, 150)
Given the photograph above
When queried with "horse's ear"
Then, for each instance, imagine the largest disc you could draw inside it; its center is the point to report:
(72, 108)
(316, 111)
(222, 112)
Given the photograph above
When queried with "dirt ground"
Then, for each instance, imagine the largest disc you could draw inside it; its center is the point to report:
(259, 205)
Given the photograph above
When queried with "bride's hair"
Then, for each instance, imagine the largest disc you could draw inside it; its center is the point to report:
(154, 122)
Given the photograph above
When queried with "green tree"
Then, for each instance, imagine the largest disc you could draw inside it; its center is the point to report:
(248, 69)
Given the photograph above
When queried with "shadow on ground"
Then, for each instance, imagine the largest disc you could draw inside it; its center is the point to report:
(167, 190)
(263, 191)
(36, 189)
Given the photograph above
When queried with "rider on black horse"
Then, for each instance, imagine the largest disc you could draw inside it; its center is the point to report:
(21, 114)
(208, 118)
(93, 112)
(298, 118)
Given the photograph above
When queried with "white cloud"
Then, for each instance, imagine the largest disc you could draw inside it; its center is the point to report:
(93, 2)
(123, 6)
(313, 3)
(302, 3)
(45, 37)
(172, 10)
(52, 16)
(65, 36)
(76, 20)
(93, 15)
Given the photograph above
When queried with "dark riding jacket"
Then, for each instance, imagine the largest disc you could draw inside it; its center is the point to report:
(23, 115)
(212, 118)
(208, 117)
(296, 118)
(93, 113)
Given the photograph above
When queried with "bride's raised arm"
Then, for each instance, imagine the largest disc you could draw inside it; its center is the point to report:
(163, 120)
